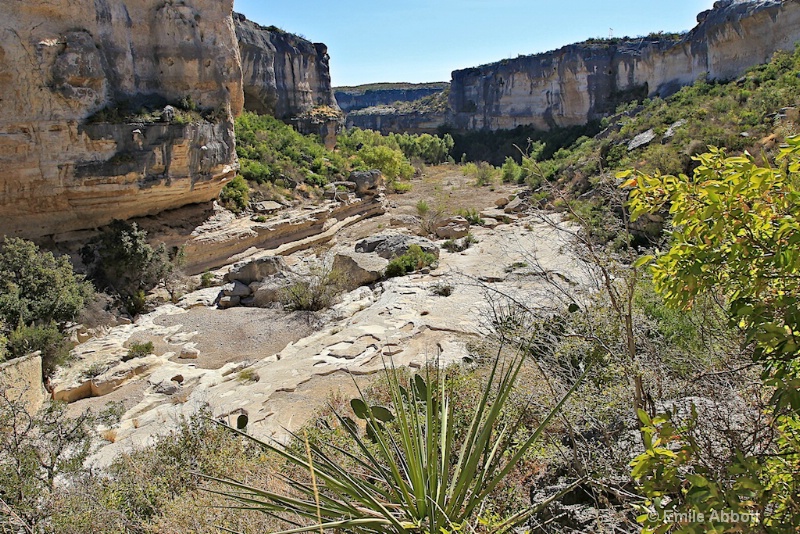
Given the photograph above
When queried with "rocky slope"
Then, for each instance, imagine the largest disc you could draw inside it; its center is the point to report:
(581, 82)
(365, 96)
(284, 74)
(65, 60)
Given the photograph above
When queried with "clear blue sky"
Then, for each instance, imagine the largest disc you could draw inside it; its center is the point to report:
(424, 40)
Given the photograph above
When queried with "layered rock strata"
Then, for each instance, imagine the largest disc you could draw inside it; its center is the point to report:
(64, 61)
(582, 82)
(284, 75)
(367, 96)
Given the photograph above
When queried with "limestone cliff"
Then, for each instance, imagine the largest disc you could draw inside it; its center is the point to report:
(284, 75)
(366, 96)
(581, 82)
(63, 61)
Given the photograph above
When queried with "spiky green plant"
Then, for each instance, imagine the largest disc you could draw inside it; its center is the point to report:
(410, 474)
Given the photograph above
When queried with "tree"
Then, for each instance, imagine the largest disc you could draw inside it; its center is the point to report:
(37, 287)
(122, 260)
(736, 236)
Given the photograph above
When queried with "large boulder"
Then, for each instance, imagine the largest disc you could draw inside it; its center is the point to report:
(359, 268)
(235, 289)
(452, 228)
(255, 270)
(367, 181)
(392, 245)
(269, 290)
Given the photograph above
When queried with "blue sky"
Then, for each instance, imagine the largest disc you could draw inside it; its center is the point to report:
(424, 40)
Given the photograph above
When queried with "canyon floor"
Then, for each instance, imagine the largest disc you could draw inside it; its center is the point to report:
(278, 367)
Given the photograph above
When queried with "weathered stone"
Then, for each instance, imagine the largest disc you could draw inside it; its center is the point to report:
(62, 173)
(672, 130)
(229, 302)
(367, 181)
(284, 74)
(392, 245)
(255, 270)
(21, 380)
(189, 353)
(166, 388)
(268, 206)
(643, 139)
(359, 269)
(518, 205)
(452, 228)
(406, 221)
(501, 202)
(270, 290)
(235, 289)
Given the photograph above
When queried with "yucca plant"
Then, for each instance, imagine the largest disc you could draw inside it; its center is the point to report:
(412, 471)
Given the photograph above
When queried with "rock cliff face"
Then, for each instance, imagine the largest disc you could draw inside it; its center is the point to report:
(284, 75)
(366, 96)
(63, 61)
(581, 82)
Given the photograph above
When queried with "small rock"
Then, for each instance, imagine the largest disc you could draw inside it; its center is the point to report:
(490, 223)
(177, 378)
(501, 202)
(248, 301)
(268, 206)
(670, 133)
(189, 353)
(367, 181)
(643, 139)
(407, 221)
(515, 206)
(166, 388)
(229, 302)
(452, 228)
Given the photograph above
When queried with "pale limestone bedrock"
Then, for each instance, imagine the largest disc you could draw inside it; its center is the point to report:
(63, 61)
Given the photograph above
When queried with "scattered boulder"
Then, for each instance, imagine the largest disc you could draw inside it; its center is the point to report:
(407, 221)
(517, 205)
(643, 139)
(367, 181)
(359, 269)
(392, 245)
(229, 302)
(268, 291)
(672, 130)
(189, 353)
(235, 289)
(167, 388)
(268, 206)
(255, 270)
(501, 202)
(452, 228)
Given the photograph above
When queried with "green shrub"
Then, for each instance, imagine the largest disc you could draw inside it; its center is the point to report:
(122, 261)
(46, 338)
(235, 196)
(315, 292)
(472, 215)
(139, 350)
(413, 260)
(418, 470)
(206, 279)
(35, 286)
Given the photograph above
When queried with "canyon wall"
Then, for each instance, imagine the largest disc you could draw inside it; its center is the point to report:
(284, 75)
(366, 96)
(582, 82)
(65, 61)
